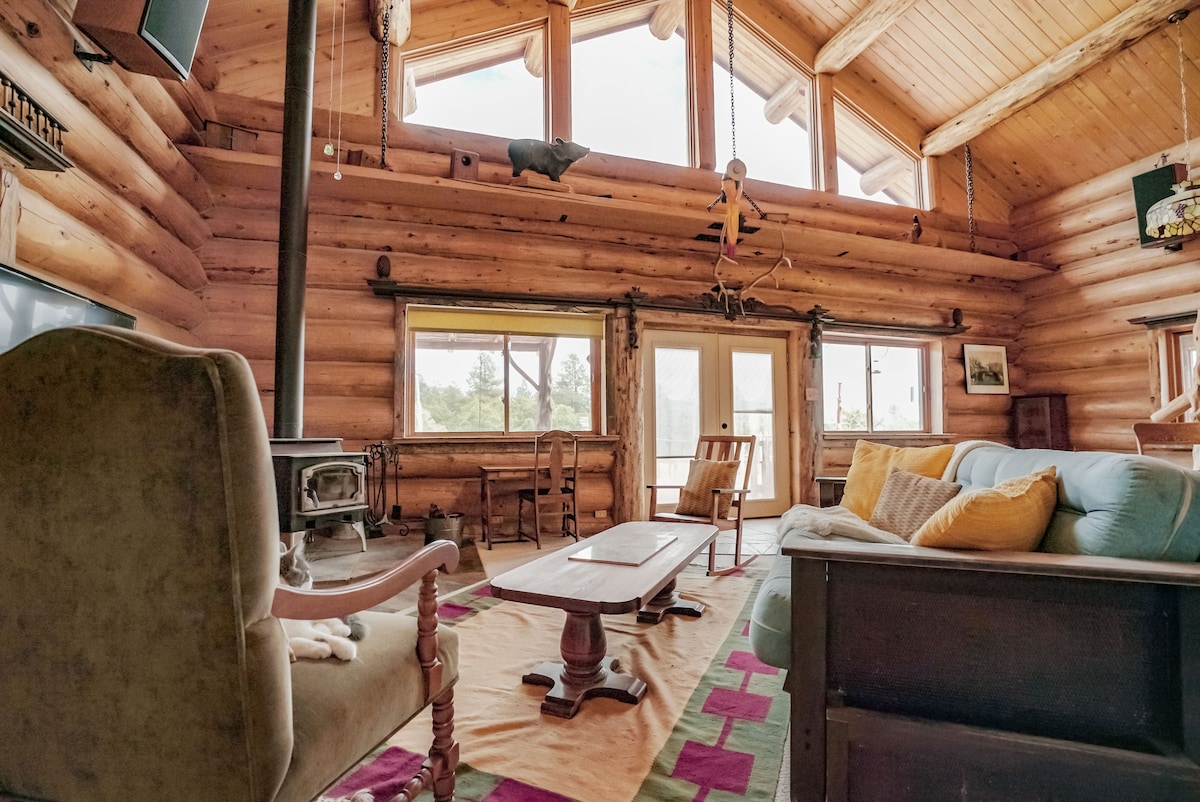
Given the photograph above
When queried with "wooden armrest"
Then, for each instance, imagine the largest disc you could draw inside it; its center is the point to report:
(335, 602)
(741, 491)
(664, 487)
(1009, 562)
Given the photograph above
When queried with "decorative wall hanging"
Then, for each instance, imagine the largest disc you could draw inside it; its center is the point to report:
(986, 368)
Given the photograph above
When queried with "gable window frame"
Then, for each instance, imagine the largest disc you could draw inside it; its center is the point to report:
(843, 106)
(559, 102)
(509, 330)
(753, 46)
(446, 61)
(927, 382)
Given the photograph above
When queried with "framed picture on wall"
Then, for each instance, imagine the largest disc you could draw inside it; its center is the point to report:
(987, 369)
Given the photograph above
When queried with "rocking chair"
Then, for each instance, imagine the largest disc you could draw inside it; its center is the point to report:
(723, 508)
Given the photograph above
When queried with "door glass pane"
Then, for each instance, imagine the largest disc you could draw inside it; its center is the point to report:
(895, 394)
(845, 384)
(754, 413)
(676, 415)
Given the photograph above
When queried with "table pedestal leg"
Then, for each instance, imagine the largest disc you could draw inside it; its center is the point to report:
(668, 601)
(585, 671)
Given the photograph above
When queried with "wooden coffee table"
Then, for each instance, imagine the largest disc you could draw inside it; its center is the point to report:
(587, 579)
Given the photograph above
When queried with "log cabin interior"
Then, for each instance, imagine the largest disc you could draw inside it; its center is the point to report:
(171, 210)
(326, 188)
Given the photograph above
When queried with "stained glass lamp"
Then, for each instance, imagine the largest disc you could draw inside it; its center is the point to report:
(1177, 214)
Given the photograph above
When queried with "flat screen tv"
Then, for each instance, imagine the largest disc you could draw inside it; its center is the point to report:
(29, 306)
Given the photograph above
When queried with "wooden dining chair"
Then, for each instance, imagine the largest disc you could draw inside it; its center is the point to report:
(1174, 436)
(724, 507)
(556, 490)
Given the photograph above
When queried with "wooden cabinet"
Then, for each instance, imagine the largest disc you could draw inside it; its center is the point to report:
(1040, 421)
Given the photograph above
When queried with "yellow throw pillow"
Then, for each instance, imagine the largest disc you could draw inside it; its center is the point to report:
(872, 462)
(1012, 516)
(696, 497)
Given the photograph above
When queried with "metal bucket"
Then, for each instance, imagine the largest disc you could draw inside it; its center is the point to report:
(448, 528)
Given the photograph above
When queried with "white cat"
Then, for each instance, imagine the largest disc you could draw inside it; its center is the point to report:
(326, 637)
(319, 639)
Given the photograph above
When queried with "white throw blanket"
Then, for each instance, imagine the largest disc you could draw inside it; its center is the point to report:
(832, 523)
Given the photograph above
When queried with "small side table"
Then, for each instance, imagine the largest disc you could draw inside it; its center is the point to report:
(830, 489)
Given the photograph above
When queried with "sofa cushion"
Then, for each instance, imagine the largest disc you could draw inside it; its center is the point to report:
(908, 500)
(871, 463)
(1115, 505)
(1012, 516)
(771, 616)
(704, 475)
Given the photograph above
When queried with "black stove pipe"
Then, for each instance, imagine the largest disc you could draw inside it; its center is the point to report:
(293, 218)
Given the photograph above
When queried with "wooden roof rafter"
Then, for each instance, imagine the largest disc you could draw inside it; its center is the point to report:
(1120, 32)
(870, 23)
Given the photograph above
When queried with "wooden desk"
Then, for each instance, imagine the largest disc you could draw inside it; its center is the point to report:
(490, 475)
(586, 590)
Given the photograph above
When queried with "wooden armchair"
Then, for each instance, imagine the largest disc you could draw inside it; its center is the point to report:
(557, 490)
(718, 448)
(140, 589)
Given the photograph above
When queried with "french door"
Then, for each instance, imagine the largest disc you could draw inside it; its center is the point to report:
(717, 384)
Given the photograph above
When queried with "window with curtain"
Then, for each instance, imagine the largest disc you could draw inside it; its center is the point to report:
(492, 372)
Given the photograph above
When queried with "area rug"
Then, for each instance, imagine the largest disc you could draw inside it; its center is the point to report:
(711, 727)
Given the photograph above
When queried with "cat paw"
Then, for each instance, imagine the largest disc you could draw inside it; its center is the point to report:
(344, 649)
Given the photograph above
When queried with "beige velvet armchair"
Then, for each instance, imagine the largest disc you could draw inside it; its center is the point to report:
(142, 659)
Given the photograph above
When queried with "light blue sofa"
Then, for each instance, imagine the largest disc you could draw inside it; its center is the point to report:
(1112, 505)
(1070, 673)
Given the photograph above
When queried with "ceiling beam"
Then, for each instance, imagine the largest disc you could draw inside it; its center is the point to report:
(848, 43)
(1120, 32)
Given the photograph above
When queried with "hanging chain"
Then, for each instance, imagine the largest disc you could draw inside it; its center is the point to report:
(970, 199)
(732, 115)
(1178, 18)
(384, 70)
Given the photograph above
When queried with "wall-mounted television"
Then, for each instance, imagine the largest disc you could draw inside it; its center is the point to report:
(155, 37)
(29, 306)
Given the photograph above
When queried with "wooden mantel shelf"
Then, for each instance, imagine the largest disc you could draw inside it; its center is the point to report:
(575, 210)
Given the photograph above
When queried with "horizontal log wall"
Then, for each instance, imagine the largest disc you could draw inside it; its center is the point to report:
(1076, 338)
(123, 225)
(351, 333)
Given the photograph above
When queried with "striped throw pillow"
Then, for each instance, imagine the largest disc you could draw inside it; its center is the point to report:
(696, 497)
(908, 500)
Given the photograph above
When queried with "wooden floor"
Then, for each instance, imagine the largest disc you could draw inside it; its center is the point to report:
(339, 559)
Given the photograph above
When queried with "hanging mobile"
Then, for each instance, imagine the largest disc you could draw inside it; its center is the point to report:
(735, 172)
(341, 48)
(332, 46)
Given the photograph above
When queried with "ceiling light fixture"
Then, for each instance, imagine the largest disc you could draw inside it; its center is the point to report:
(1178, 214)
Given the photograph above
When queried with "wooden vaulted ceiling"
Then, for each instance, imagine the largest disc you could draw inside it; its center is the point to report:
(1048, 93)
